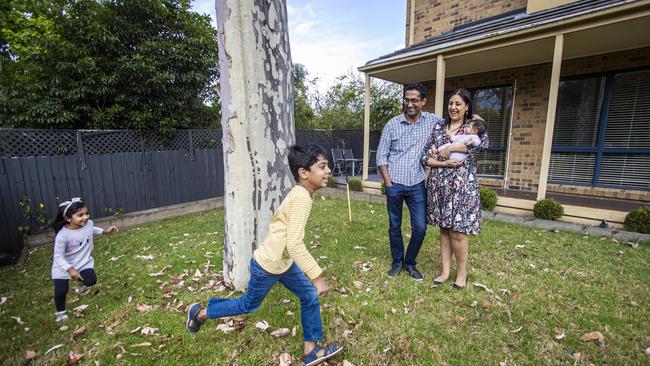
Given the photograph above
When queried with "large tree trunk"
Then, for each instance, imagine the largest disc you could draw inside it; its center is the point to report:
(257, 122)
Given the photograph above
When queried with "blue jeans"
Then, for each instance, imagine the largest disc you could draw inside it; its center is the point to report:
(259, 285)
(416, 201)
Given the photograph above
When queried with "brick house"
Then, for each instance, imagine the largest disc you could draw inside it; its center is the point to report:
(564, 86)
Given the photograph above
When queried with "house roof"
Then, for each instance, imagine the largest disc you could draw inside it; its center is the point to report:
(498, 26)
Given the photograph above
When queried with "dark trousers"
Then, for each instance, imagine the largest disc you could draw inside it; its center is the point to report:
(416, 201)
(61, 287)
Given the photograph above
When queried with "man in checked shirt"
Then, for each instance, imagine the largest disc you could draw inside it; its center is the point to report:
(398, 159)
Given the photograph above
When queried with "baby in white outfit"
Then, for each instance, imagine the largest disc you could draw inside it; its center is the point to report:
(473, 131)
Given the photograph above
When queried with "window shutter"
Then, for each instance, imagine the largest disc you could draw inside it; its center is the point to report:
(572, 168)
(628, 120)
(490, 163)
(578, 111)
(626, 170)
(494, 106)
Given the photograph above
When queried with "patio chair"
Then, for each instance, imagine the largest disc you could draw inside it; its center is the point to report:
(355, 164)
(372, 162)
(337, 161)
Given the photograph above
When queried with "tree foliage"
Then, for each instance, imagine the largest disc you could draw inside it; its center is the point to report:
(342, 105)
(146, 64)
(303, 113)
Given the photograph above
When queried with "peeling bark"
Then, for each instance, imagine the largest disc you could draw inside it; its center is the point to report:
(257, 122)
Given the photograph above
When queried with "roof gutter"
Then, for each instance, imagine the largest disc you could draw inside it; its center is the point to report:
(509, 36)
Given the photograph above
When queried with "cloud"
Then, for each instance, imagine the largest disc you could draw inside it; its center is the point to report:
(332, 37)
(328, 42)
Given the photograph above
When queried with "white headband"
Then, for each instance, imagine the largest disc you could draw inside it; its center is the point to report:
(67, 204)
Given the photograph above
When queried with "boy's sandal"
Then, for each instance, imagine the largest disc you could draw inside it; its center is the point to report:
(320, 354)
(192, 312)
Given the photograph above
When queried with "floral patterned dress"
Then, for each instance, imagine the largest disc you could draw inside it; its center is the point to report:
(453, 199)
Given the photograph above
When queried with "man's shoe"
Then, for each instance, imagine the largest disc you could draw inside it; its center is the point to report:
(395, 269)
(415, 274)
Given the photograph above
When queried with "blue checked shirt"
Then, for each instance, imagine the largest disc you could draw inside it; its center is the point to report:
(400, 147)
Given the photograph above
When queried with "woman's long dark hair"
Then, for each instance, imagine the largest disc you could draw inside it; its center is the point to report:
(60, 220)
(467, 98)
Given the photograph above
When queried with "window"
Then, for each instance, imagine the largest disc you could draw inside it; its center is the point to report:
(494, 105)
(602, 131)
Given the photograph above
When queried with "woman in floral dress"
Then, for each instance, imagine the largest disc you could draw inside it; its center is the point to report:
(453, 199)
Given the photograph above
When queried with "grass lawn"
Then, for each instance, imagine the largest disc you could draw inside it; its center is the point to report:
(546, 296)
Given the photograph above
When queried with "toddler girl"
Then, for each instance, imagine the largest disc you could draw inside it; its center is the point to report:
(72, 247)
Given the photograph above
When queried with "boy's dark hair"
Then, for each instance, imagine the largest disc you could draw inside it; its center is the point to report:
(416, 86)
(479, 125)
(304, 157)
(60, 221)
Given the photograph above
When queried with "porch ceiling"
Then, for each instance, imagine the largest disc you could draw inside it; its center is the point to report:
(526, 50)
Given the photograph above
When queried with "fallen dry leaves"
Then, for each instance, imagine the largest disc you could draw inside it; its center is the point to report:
(77, 333)
(232, 324)
(143, 308)
(74, 358)
(161, 272)
(487, 305)
(280, 332)
(147, 330)
(143, 344)
(30, 355)
(593, 336)
(225, 328)
(364, 266)
(79, 310)
(263, 325)
(285, 359)
(52, 349)
(497, 298)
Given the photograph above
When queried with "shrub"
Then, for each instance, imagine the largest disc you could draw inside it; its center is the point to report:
(488, 199)
(330, 182)
(638, 220)
(355, 184)
(548, 209)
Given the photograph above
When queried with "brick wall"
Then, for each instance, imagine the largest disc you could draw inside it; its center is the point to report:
(433, 17)
(529, 119)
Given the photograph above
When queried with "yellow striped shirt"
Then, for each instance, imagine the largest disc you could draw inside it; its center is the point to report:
(284, 242)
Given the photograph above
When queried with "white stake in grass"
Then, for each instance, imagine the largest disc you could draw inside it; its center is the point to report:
(347, 188)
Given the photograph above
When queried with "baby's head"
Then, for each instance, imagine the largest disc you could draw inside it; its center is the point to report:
(476, 127)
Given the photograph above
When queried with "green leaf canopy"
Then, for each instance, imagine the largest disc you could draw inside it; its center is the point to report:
(119, 64)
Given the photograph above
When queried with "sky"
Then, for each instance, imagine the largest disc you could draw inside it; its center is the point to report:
(332, 37)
